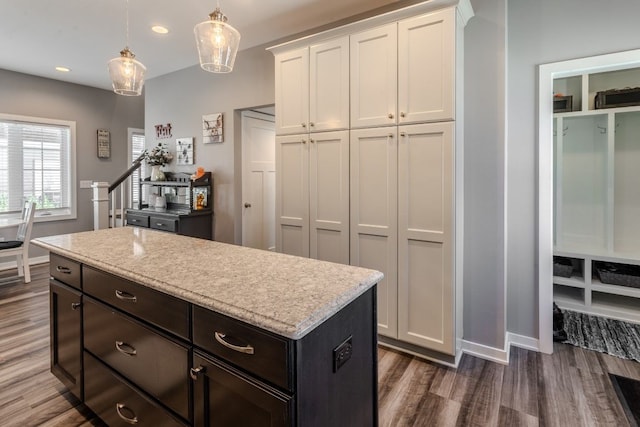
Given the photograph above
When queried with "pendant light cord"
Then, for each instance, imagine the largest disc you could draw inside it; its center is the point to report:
(127, 23)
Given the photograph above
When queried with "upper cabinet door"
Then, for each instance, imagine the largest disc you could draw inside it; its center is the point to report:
(426, 68)
(374, 71)
(292, 92)
(329, 90)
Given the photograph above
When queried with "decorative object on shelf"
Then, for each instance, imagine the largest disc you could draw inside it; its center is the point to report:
(200, 195)
(562, 104)
(126, 72)
(156, 158)
(104, 144)
(163, 131)
(613, 98)
(212, 128)
(184, 151)
(217, 43)
(618, 274)
(199, 174)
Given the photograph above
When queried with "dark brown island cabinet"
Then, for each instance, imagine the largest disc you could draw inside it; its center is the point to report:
(137, 356)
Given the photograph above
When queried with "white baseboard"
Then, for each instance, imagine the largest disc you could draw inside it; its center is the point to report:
(522, 341)
(482, 351)
(32, 261)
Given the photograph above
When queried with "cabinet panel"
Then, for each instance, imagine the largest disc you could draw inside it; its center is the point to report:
(292, 92)
(329, 196)
(329, 85)
(225, 398)
(117, 402)
(374, 71)
(425, 211)
(292, 195)
(65, 270)
(426, 67)
(154, 307)
(133, 350)
(374, 237)
(164, 224)
(66, 336)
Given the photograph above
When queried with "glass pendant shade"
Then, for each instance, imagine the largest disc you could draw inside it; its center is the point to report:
(127, 74)
(217, 43)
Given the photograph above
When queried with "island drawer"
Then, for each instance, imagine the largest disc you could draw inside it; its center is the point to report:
(133, 349)
(164, 224)
(119, 403)
(65, 270)
(137, 220)
(155, 307)
(251, 349)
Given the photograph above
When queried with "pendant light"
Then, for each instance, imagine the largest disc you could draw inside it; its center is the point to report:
(126, 72)
(217, 43)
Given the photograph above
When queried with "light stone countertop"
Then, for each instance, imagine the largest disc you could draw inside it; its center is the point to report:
(283, 294)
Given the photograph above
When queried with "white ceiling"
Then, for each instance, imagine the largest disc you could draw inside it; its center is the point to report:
(36, 35)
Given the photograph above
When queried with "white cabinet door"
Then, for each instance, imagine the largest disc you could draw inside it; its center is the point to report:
(329, 196)
(426, 67)
(292, 195)
(374, 228)
(425, 250)
(329, 90)
(374, 70)
(292, 91)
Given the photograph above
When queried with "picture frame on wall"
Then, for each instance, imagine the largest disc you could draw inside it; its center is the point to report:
(212, 128)
(104, 144)
(184, 151)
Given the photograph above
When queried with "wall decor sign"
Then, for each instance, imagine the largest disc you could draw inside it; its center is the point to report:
(104, 144)
(163, 131)
(212, 128)
(184, 151)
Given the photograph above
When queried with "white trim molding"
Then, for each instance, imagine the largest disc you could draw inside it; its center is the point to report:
(32, 261)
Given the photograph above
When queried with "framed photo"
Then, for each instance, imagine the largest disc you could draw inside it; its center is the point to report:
(104, 144)
(212, 129)
(184, 151)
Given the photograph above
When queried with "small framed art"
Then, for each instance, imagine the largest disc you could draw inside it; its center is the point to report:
(184, 151)
(212, 128)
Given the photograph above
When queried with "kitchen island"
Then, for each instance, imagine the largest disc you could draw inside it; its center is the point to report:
(150, 328)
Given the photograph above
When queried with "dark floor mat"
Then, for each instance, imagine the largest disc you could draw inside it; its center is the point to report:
(628, 392)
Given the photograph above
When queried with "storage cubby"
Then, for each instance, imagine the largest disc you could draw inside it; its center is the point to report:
(618, 79)
(569, 86)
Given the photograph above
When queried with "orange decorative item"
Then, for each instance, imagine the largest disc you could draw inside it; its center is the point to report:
(199, 173)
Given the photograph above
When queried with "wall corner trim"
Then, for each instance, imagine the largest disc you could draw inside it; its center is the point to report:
(500, 355)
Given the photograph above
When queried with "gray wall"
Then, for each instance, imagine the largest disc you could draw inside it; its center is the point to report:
(91, 109)
(181, 98)
(544, 31)
(484, 108)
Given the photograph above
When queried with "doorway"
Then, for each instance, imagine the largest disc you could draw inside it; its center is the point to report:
(547, 73)
(258, 179)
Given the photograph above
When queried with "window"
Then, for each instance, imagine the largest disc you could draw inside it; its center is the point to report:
(37, 163)
(136, 147)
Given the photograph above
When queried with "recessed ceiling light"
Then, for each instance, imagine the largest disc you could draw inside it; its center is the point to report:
(63, 69)
(159, 29)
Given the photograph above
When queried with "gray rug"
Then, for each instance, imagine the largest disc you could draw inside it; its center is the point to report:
(615, 337)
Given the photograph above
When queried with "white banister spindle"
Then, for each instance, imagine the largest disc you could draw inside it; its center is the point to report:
(100, 205)
(122, 202)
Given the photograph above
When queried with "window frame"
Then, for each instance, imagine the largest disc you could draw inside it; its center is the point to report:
(44, 215)
(130, 133)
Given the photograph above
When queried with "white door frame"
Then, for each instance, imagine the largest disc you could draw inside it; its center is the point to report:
(546, 74)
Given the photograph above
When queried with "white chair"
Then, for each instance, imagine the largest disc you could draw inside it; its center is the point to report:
(20, 247)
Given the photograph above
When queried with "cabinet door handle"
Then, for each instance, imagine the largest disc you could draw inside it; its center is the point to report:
(130, 420)
(304, 141)
(312, 140)
(311, 124)
(75, 305)
(403, 134)
(390, 135)
(193, 372)
(247, 205)
(63, 270)
(125, 296)
(402, 114)
(390, 115)
(247, 349)
(125, 348)
(304, 125)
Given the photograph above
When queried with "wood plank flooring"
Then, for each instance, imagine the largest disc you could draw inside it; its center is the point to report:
(569, 388)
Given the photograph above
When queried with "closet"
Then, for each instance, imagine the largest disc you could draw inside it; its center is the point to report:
(380, 187)
(597, 193)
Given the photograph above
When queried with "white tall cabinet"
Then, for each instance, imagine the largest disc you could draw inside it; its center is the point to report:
(398, 159)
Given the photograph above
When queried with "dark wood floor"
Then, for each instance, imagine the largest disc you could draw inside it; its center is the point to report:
(569, 388)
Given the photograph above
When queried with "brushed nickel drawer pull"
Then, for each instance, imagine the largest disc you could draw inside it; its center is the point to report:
(125, 296)
(63, 270)
(220, 338)
(130, 420)
(75, 305)
(193, 372)
(125, 348)
(159, 224)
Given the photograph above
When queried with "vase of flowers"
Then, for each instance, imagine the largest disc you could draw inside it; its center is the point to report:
(156, 158)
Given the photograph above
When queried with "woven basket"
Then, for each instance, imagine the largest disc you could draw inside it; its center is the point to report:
(562, 267)
(618, 274)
